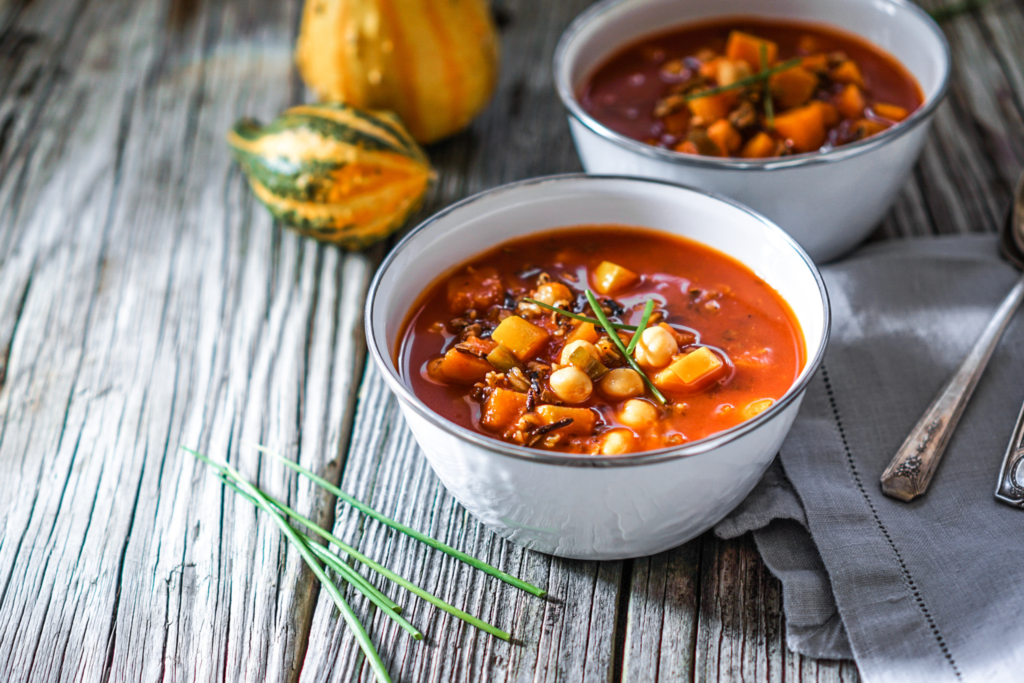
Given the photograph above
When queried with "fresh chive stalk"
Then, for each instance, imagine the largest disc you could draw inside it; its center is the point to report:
(622, 347)
(744, 82)
(769, 106)
(398, 526)
(352, 552)
(357, 580)
(644, 319)
(293, 536)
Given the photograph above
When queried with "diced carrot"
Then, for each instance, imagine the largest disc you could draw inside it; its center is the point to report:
(805, 126)
(890, 111)
(725, 136)
(691, 372)
(850, 102)
(503, 409)
(583, 332)
(583, 419)
(793, 87)
(463, 368)
(611, 277)
(477, 288)
(817, 63)
(748, 48)
(522, 337)
(829, 114)
(848, 72)
(713, 107)
(759, 147)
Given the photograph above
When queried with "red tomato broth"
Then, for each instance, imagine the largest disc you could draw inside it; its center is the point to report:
(621, 93)
(732, 310)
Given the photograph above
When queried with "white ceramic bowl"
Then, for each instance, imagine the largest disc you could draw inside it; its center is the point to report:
(589, 506)
(828, 202)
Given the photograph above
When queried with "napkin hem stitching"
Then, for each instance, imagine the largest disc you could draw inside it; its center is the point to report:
(907, 578)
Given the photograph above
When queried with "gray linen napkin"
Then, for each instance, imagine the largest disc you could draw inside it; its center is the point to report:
(928, 591)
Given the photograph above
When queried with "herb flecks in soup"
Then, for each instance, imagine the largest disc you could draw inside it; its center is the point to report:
(750, 88)
(510, 345)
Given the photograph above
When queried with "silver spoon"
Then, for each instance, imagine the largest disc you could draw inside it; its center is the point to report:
(913, 467)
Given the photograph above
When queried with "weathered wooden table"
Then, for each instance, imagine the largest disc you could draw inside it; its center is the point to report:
(147, 301)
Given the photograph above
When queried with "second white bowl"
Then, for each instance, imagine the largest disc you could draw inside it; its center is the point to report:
(829, 202)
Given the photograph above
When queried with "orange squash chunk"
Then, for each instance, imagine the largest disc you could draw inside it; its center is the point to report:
(522, 337)
(503, 409)
(817, 63)
(725, 136)
(828, 113)
(805, 126)
(713, 107)
(611, 277)
(850, 102)
(890, 111)
(691, 372)
(759, 147)
(793, 87)
(748, 48)
(848, 72)
(866, 128)
(583, 419)
(463, 368)
(583, 332)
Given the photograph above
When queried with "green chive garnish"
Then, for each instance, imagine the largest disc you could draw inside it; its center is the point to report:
(744, 82)
(575, 316)
(622, 347)
(769, 107)
(648, 309)
(398, 526)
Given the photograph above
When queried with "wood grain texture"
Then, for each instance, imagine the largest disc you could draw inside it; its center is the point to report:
(147, 301)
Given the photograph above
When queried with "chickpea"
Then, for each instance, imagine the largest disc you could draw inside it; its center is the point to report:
(656, 348)
(617, 442)
(622, 383)
(638, 414)
(552, 293)
(578, 344)
(571, 384)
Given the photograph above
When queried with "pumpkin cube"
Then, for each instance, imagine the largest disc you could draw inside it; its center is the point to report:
(459, 367)
(713, 107)
(759, 147)
(850, 102)
(828, 112)
(890, 111)
(793, 87)
(864, 128)
(725, 136)
(748, 48)
(522, 338)
(583, 419)
(691, 372)
(583, 332)
(817, 63)
(848, 72)
(805, 126)
(503, 409)
(611, 277)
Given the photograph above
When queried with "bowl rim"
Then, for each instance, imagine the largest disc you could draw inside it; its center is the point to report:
(398, 386)
(595, 13)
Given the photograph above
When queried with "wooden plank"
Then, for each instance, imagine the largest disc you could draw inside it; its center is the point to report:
(158, 305)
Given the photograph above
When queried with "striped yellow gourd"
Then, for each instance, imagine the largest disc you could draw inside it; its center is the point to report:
(432, 62)
(334, 172)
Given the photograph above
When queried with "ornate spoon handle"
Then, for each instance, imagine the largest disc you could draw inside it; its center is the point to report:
(1010, 488)
(911, 470)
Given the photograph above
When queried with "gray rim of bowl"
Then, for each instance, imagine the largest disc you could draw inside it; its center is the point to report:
(494, 445)
(569, 101)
